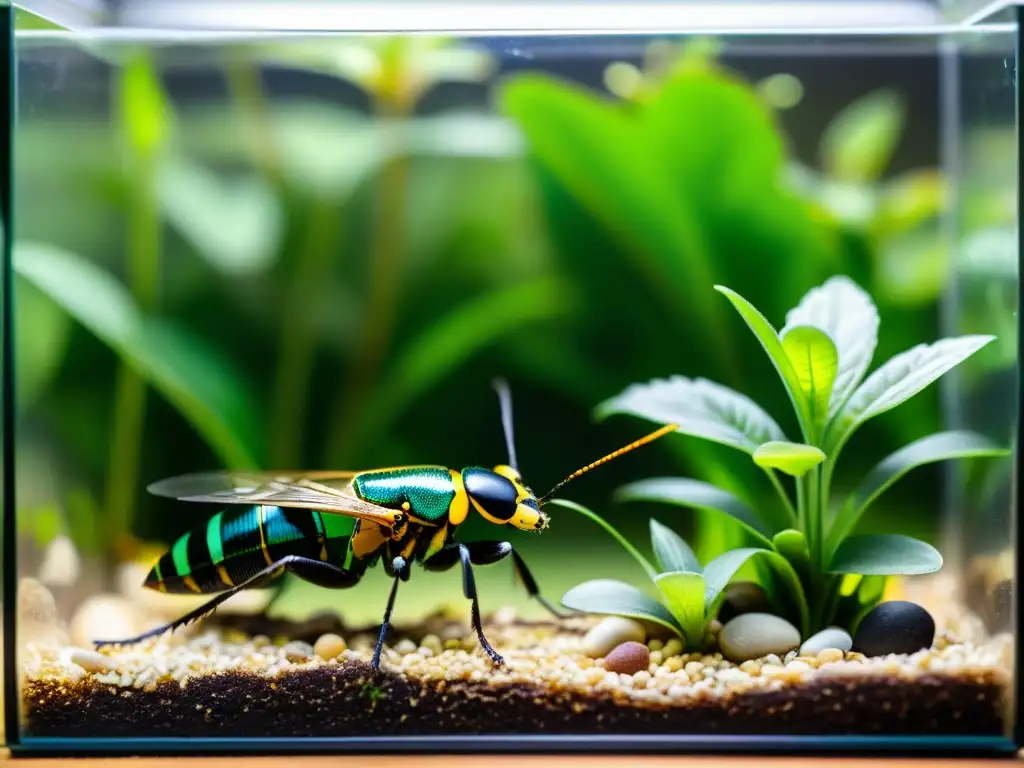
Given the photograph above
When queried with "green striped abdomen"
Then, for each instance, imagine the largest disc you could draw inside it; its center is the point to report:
(429, 491)
(235, 545)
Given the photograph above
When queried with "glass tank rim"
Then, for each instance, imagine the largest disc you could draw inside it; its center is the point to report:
(170, 35)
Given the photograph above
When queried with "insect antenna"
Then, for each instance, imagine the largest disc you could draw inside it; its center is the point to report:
(505, 401)
(605, 459)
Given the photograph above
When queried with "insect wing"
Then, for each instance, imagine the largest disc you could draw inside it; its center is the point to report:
(306, 490)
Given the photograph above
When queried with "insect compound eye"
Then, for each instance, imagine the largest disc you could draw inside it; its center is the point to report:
(495, 494)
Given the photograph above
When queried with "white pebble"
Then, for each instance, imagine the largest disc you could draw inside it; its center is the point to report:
(833, 637)
(753, 635)
(91, 661)
(610, 632)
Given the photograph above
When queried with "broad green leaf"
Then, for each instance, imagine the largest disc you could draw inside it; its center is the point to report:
(940, 446)
(191, 376)
(237, 226)
(859, 143)
(792, 545)
(885, 555)
(899, 379)
(769, 340)
(701, 408)
(41, 334)
(844, 311)
(670, 551)
(794, 459)
(683, 594)
(616, 598)
(696, 494)
(720, 571)
(145, 111)
(815, 361)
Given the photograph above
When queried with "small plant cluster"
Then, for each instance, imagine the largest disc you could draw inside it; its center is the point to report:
(816, 570)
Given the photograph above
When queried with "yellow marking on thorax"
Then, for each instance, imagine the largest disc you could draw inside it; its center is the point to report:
(484, 513)
(223, 573)
(437, 542)
(458, 510)
(263, 535)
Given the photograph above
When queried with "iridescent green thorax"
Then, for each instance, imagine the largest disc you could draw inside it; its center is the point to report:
(429, 491)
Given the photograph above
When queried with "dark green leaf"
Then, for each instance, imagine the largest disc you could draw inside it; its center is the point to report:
(885, 555)
(696, 494)
(701, 408)
(940, 446)
(197, 381)
(719, 571)
(671, 552)
(615, 598)
(683, 595)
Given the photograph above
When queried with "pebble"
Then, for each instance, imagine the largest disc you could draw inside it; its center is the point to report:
(297, 650)
(611, 632)
(628, 658)
(432, 643)
(101, 617)
(329, 646)
(61, 564)
(672, 648)
(896, 626)
(405, 646)
(753, 635)
(742, 597)
(91, 661)
(35, 603)
(833, 637)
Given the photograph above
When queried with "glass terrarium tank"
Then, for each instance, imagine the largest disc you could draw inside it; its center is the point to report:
(407, 376)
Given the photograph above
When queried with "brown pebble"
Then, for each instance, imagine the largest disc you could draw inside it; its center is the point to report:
(628, 658)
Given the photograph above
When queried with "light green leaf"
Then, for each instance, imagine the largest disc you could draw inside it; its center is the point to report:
(616, 598)
(696, 494)
(844, 311)
(899, 379)
(670, 551)
(683, 595)
(720, 571)
(794, 459)
(815, 361)
(885, 555)
(237, 226)
(769, 340)
(940, 446)
(792, 545)
(701, 408)
(910, 200)
(145, 110)
(41, 334)
(859, 143)
(191, 376)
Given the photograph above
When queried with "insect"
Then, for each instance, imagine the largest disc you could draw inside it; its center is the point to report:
(403, 515)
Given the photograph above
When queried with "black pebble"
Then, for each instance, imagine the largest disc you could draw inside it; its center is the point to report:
(742, 597)
(897, 626)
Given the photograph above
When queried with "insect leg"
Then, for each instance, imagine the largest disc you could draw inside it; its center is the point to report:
(487, 552)
(399, 566)
(322, 574)
(447, 558)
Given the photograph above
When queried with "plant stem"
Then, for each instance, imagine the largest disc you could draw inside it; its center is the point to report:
(379, 315)
(143, 272)
(786, 501)
(243, 79)
(650, 569)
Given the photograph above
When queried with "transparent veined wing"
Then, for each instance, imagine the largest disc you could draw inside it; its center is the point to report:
(325, 491)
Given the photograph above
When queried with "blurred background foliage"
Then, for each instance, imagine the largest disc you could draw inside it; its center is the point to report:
(317, 253)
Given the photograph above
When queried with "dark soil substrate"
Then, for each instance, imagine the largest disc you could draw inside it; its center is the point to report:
(345, 700)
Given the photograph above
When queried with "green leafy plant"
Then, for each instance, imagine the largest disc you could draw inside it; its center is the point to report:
(689, 594)
(822, 355)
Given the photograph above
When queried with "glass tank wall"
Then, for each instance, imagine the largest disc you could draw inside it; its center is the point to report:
(252, 267)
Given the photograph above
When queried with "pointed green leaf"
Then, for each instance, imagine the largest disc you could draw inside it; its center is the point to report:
(769, 340)
(794, 459)
(844, 311)
(885, 555)
(145, 110)
(899, 379)
(616, 598)
(940, 446)
(683, 595)
(701, 408)
(720, 571)
(792, 545)
(815, 361)
(696, 494)
(670, 551)
(859, 143)
(190, 375)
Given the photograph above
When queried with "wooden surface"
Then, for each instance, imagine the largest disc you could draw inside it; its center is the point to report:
(486, 761)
